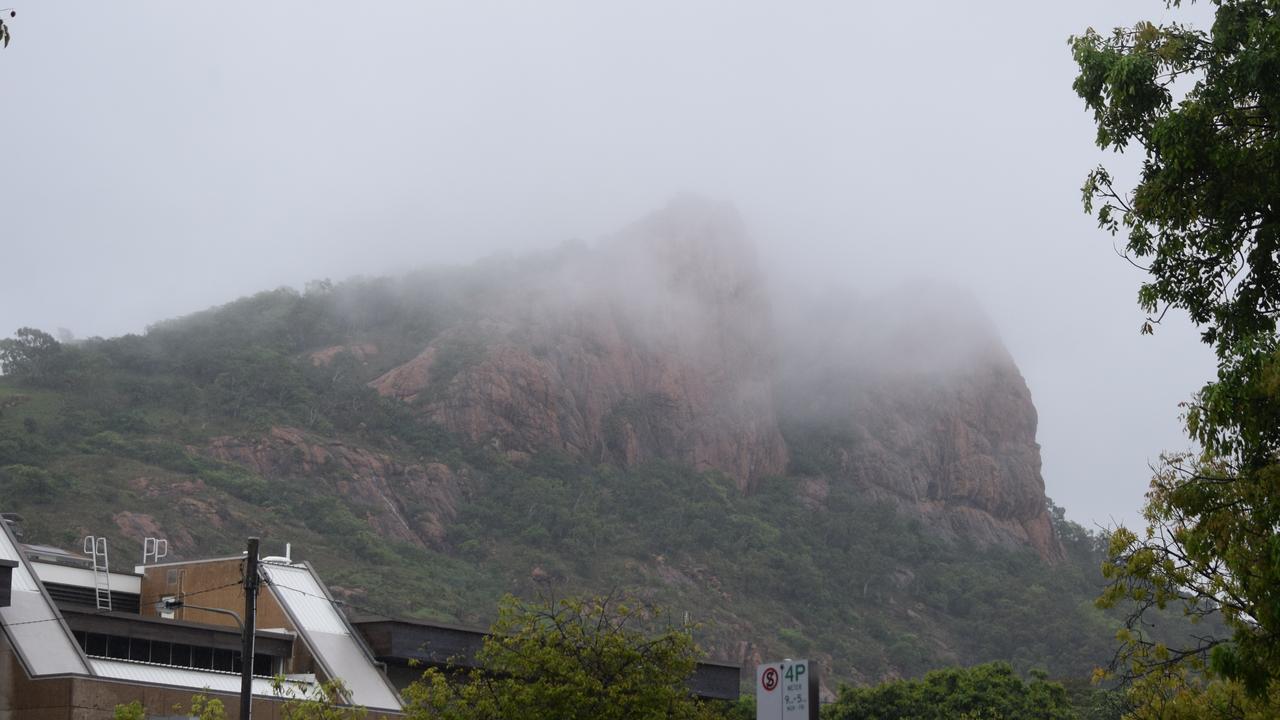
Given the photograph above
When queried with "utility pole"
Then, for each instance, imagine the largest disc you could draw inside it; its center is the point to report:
(250, 616)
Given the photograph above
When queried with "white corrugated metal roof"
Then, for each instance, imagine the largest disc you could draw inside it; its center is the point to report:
(193, 678)
(33, 624)
(83, 577)
(307, 602)
(327, 633)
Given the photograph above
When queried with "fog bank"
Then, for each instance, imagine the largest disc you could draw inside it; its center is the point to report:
(161, 158)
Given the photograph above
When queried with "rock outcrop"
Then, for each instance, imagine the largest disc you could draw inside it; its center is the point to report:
(409, 502)
(659, 343)
(928, 410)
(655, 345)
(361, 352)
(962, 454)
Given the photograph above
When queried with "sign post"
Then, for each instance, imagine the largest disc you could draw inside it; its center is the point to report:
(787, 690)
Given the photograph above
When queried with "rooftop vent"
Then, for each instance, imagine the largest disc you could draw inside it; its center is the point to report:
(55, 556)
(285, 559)
(14, 522)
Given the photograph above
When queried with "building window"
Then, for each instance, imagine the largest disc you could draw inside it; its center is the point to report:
(173, 654)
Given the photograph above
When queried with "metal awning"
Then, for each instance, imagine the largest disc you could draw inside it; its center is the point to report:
(86, 619)
(153, 674)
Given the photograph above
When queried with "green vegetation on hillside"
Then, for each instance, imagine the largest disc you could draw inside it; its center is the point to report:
(96, 433)
(853, 580)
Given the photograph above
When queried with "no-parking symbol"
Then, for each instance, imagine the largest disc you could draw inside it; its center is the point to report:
(769, 680)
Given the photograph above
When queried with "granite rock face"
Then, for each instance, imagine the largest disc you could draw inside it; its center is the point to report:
(962, 454)
(655, 345)
(663, 342)
(411, 502)
(925, 408)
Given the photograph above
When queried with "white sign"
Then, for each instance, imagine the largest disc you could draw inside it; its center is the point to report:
(784, 691)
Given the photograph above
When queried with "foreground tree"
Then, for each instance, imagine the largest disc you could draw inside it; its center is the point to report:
(1184, 693)
(1203, 220)
(202, 708)
(325, 701)
(4, 29)
(569, 660)
(990, 692)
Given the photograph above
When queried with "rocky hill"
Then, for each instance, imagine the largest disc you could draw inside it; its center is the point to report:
(657, 345)
(853, 478)
(660, 344)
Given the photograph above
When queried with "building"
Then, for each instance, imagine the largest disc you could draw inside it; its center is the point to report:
(78, 639)
(405, 647)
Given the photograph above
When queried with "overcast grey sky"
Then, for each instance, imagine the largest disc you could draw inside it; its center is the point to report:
(161, 157)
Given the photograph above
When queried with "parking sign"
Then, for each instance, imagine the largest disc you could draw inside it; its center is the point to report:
(787, 690)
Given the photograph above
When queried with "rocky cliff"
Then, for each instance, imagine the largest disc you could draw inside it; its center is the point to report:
(656, 345)
(660, 343)
(917, 401)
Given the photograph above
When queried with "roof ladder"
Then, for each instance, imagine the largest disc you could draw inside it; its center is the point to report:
(96, 548)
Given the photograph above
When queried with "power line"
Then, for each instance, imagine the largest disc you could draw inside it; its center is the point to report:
(238, 583)
(333, 601)
(104, 612)
(186, 594)
(43, 620)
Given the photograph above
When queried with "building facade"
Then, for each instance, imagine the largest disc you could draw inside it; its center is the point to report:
(79, 639)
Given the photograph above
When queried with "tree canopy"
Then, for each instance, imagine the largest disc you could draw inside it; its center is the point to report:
(571, 659)
(1202, 221)
(1202, 218)
(992, 692)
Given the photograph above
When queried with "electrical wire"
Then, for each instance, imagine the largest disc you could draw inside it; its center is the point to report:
(184, 594)
(266, 580)
(339, 603)
(104, 612)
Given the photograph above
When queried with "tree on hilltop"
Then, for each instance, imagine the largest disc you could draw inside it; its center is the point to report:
(30, 354)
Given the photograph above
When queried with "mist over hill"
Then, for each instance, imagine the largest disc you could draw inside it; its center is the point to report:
(852, 478)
